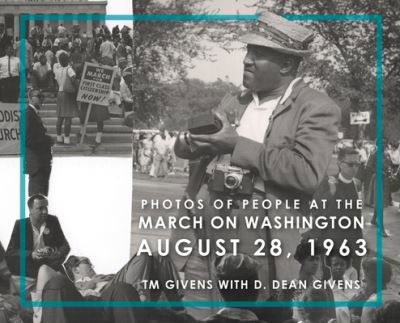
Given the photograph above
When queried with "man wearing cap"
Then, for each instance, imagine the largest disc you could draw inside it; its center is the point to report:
(280, 130)
(38, 147)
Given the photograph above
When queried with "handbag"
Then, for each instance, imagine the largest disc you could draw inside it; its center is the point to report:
(68, 85)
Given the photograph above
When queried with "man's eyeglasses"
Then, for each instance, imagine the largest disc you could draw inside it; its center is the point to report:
(352, 164)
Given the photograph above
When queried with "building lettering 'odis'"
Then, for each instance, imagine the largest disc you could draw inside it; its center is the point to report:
(51, 12)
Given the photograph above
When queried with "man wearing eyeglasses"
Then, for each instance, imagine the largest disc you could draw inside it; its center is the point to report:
(343, 187)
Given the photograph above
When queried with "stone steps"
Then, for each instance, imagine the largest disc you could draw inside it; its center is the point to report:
(116, 139)
(91, 128)
(52, 120)
(113, 149)
(108, 138)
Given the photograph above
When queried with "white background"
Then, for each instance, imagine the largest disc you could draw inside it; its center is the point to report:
(92, 197)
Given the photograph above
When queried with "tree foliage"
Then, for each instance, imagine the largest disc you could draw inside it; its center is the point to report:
(162, 53)
(191, 97)
(344, 64)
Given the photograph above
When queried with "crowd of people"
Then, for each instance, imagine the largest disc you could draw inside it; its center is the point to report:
(53, 275)
(366, 174)
(55, 59)
(153, 153)
(287, 150)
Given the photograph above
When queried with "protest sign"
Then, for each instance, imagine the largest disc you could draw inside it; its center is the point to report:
(9, 129)
(95, 88)
(95, 85)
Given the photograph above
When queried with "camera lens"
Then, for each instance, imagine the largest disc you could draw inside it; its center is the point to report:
(232, 181)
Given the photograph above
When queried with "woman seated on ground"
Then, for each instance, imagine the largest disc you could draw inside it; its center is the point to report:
(343, 289)
(369, 266)
(319, 314)
(389, 313)
(310, 265)
(10, 310)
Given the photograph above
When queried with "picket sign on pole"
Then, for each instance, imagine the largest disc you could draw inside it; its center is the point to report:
(89, 109)
(95, 88)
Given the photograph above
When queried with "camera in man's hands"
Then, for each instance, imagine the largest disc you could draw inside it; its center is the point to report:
(231, 180)
(204, 124)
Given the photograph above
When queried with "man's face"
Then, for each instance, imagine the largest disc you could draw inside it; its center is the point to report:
(349, 166)
(39, 212)
(43, 60)
(338, 267)
(311, 265)
(262, 67)
(37, 101)
(84, 269)
(9, 51)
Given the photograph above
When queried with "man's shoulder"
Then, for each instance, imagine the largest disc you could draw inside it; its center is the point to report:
(308, 94)
(51, 218)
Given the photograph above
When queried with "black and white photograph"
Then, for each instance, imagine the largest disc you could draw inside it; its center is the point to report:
(77, 163)
(203, 161)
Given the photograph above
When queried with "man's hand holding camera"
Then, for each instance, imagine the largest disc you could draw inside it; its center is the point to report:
(221, 142)
(44, 253)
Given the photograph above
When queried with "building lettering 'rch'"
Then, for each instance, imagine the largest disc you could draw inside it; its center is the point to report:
(51, 12)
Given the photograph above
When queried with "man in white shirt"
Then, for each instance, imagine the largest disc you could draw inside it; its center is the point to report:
(279, 132)
(395, 155)
(4, 40)
(107, 49)
(45, 240)
(42, 74)
(9, 76)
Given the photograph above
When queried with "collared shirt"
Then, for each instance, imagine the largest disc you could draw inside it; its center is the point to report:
(41, 69)
(344, 180)
(38, 241)
(395, 156)
(107, 49)
(342, 294)
(49, 56)
(363, 155)
(60, 73)
(255, 121)
(253, 125)
(9, 65)
(34, 108)
(126, 94)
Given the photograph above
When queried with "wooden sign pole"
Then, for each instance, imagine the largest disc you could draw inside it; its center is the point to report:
(86, 122)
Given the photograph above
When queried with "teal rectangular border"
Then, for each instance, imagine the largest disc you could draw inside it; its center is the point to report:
(377, 19)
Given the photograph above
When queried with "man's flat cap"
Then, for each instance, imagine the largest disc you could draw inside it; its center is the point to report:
(280, 34)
